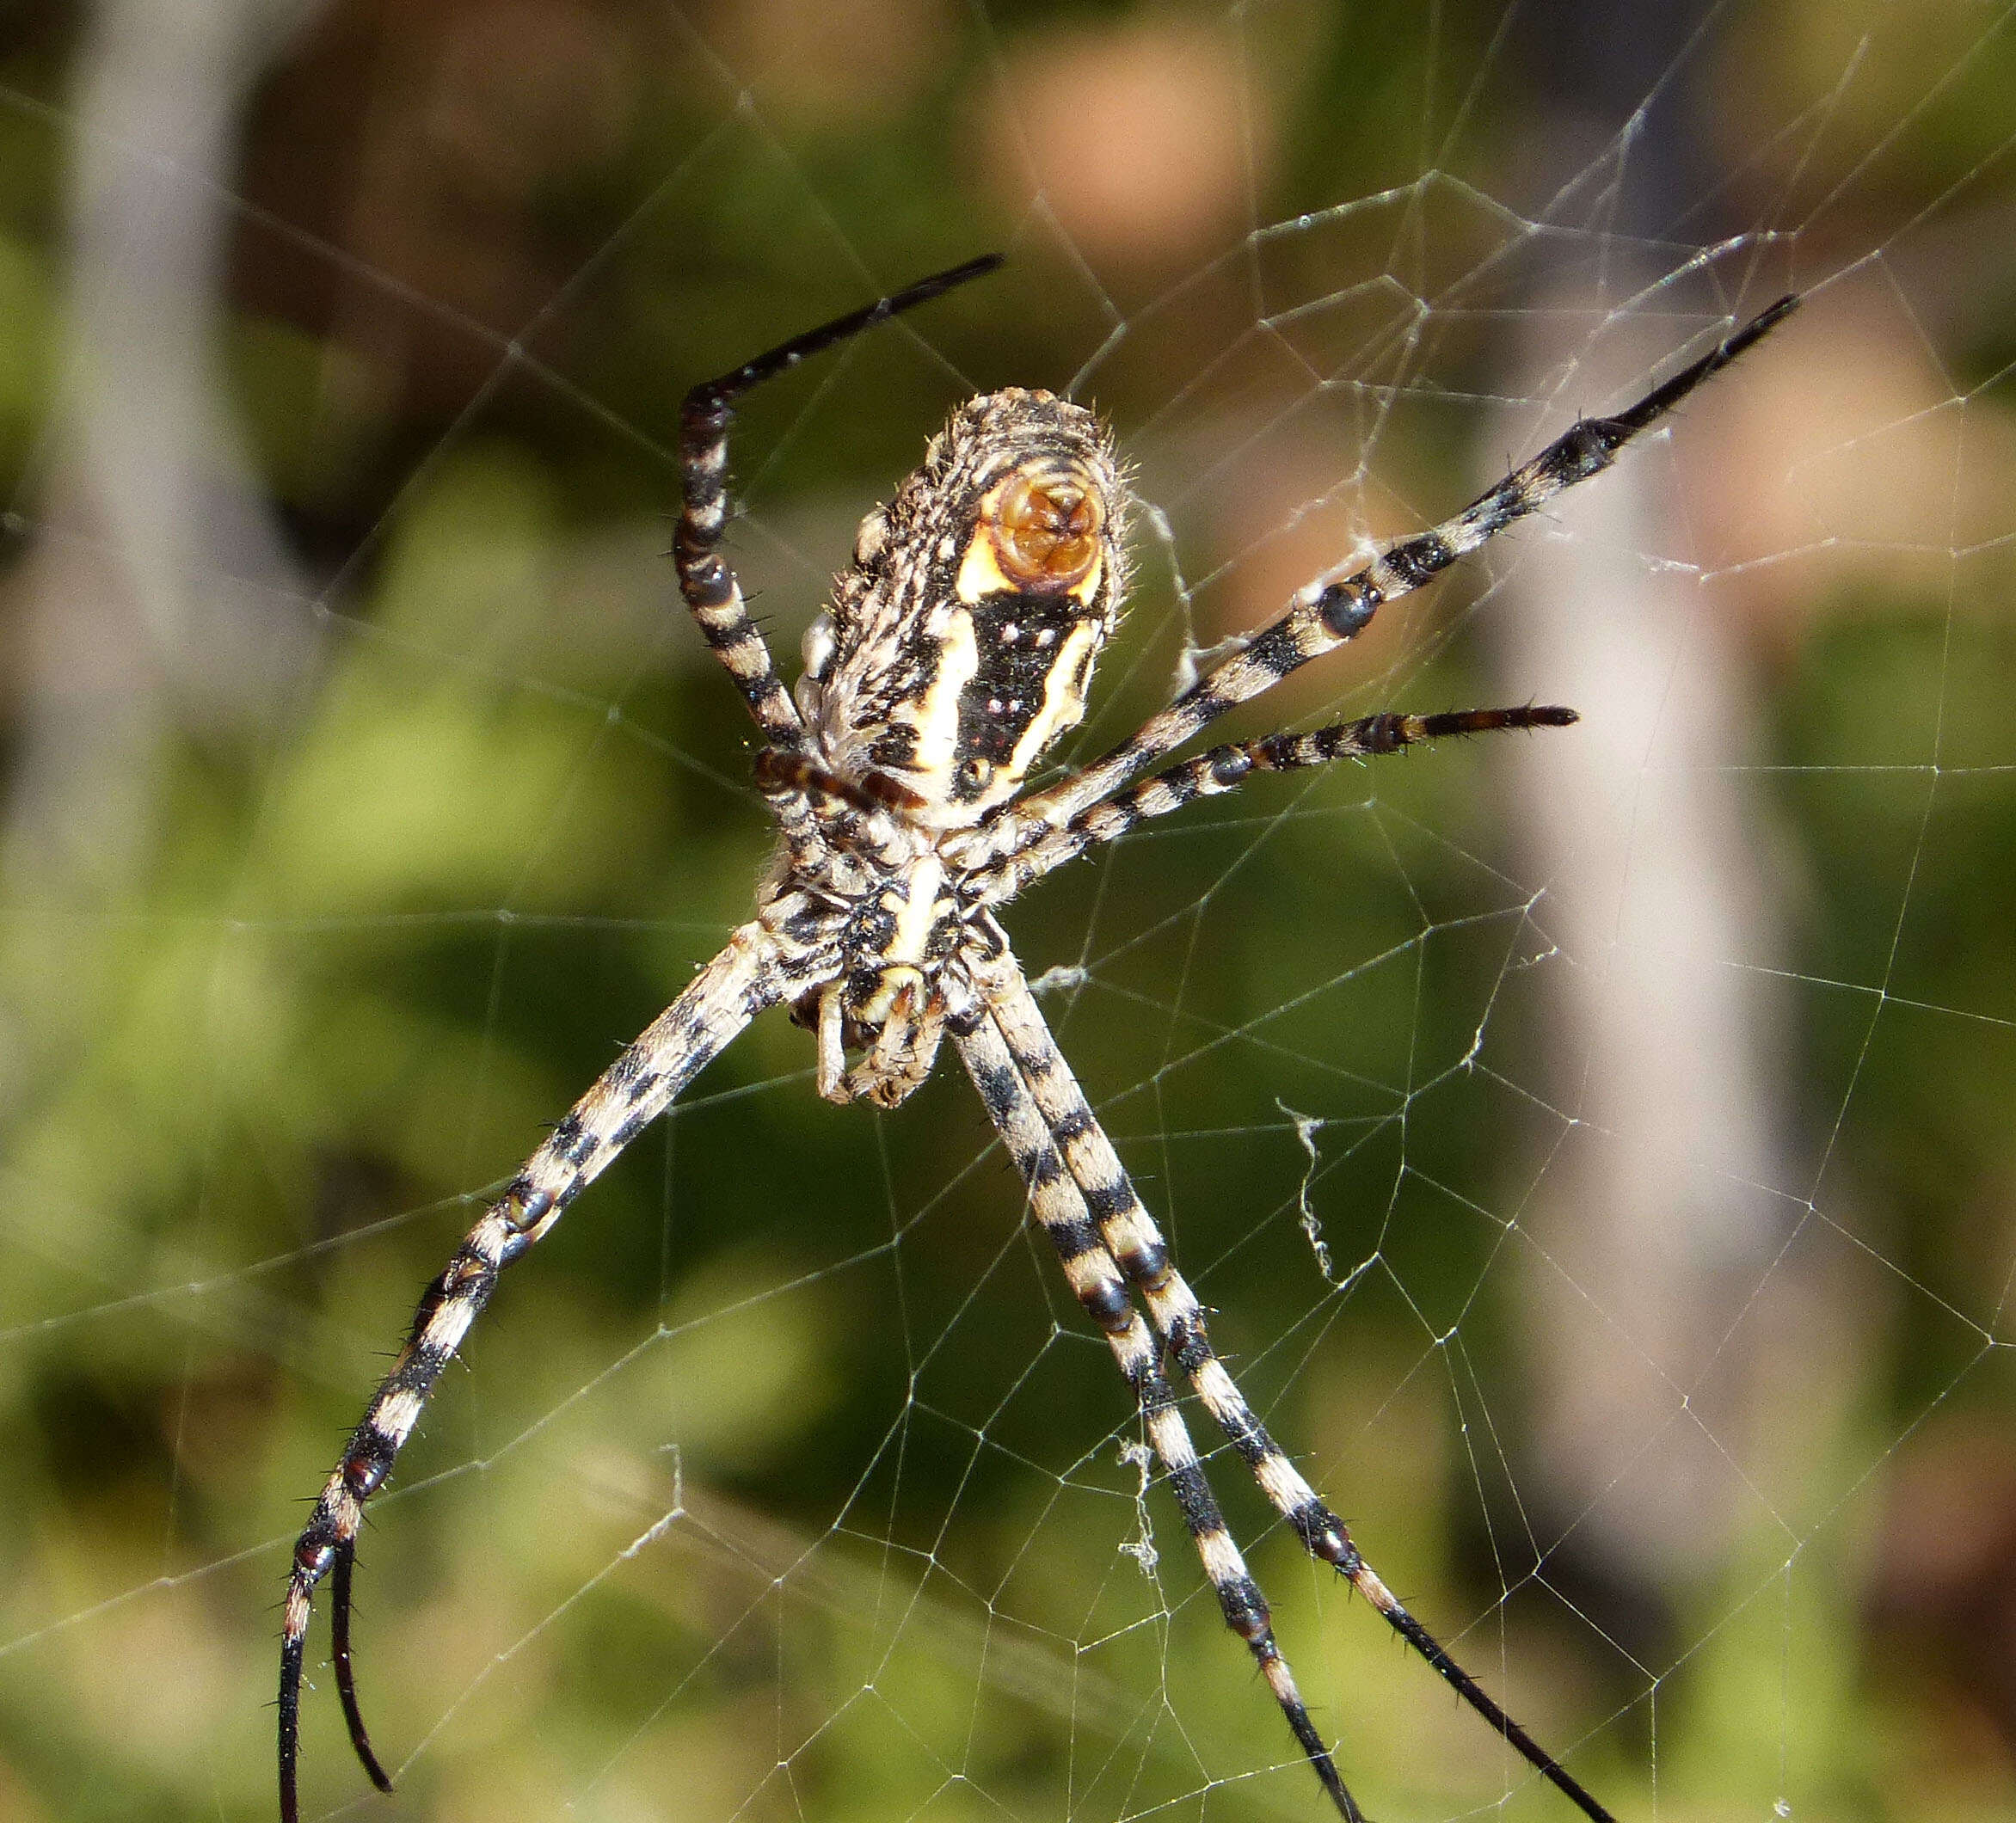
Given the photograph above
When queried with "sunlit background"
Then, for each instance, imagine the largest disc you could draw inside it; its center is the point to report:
(1599, 1145)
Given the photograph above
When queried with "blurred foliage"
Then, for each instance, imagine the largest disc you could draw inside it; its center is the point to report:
(787, 1467)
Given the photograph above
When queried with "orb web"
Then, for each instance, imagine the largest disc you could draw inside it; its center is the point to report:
(1592, 1143)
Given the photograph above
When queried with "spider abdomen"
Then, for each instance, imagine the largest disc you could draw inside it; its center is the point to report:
(961, 643)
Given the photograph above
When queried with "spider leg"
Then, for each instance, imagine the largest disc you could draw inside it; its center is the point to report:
(705, 577)
(905, 1049)
(877, 794)
(1225, 768)
(346, 1671)
(1060, 1209)
(1136, 1247)
(1325, 614)
(748, 976)
(873, 832)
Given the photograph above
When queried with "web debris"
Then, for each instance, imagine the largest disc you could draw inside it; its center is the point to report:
(1306, 1128)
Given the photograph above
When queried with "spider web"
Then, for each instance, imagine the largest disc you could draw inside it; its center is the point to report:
(1596, 1145)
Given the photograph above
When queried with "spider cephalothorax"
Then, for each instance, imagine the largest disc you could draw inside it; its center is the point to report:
(957, 647)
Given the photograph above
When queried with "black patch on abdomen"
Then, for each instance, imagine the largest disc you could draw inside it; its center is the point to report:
(1013, 681)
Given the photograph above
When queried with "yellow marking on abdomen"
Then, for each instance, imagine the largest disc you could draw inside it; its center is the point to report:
(1064, 705)
(980, 575)
(936, 714)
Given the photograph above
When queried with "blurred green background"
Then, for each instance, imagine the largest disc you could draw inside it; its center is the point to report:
(366, 786)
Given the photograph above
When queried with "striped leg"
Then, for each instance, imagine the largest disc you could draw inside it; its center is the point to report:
(704, 578)
(1324, 615)
(1095, 1281)
(1137, 1248)
(726, 995)
(789, 779)
(1224, 768)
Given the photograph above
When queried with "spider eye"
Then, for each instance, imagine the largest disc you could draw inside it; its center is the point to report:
(1047, 527)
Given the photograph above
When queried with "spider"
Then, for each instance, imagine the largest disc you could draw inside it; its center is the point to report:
(957, 647)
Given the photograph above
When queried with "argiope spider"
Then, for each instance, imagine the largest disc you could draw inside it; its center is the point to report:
(958, 646)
